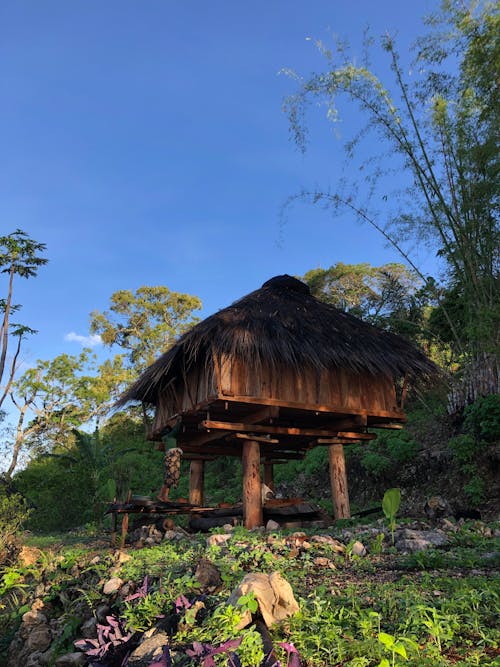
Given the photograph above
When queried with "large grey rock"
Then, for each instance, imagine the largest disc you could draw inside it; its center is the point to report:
(149, 650)
(419, 540)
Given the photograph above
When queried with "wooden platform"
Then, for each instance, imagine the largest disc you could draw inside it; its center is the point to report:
(283, 511)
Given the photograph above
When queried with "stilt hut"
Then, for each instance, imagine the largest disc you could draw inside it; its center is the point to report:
(273, 375)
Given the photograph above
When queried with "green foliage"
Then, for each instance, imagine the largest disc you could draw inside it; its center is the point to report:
(14, 513)
(390, 506)
(146, 322)
(389, 296)
(482, 418)
(391, 449)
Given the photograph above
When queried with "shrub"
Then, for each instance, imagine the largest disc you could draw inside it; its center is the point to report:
(482, 418)
(14, 511)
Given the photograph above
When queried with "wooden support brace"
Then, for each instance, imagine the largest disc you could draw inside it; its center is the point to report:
(269, 475)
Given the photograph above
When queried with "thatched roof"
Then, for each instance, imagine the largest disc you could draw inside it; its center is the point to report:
(283, 324)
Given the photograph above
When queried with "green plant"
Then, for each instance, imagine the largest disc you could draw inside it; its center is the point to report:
(14, 511)
(390, 505)
(482, 418)
(395, 646)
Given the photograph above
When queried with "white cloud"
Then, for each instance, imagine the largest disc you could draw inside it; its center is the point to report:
(85, 341)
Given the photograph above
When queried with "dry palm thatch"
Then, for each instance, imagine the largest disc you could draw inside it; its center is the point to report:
(283, 325)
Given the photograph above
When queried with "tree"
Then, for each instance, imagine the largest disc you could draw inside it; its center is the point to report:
(389, 296)
(19, 256)
(145, 323)
(443, 125)
(55, 398)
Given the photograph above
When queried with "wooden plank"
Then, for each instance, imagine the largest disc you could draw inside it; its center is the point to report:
(269, 474)
(284, 430)
(313, 407)
(263, 414)
(258, 438)
(338, 481)
(252, 498)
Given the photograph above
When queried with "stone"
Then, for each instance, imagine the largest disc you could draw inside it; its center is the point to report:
(29, 556)
(208, 576)
(358, 549)
(274, 596)
(39, 639)
(71, 660)
(101, 611)
(149, 650)
(436, 507)
(122, 556)
(419, 540)
(218, 540)
(112, 586)
(88, 629)
(228, 528)
(334, 544)
(272, 525)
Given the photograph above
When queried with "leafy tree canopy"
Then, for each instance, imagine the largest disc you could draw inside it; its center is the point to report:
(146, 322)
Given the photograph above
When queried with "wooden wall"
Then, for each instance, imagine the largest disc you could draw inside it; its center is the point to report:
(229, 377)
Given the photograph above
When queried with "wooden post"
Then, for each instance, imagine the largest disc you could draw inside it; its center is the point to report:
(196, 480)
(338, 481)
(252, 495)
(269, 475)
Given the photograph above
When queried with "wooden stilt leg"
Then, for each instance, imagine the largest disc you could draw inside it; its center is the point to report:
(252, 497)
(196, 480)
(113, 530)
(269, 475)
(124, 530)
(338, 480)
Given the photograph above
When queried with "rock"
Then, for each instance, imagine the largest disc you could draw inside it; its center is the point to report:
(358, 549)
(208, 576)
(88, 629)
(418, 540)
(122, 556)
(228, 528)
(71, 660)
(112, 586)
(274, 596)
(29, 556)
(33, 660)
(39, 639)
(323, 562)
(436, 507)
(218, 540)
(272, 525)
(334, 544)
(149, 650)
(101, 611)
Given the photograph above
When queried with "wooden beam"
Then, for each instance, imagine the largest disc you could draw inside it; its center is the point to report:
(196, 482)
(313, 407)
(269, 412)
(252, 498)
(269, 474)
(338, 481)
(257, 438)
(284, 430)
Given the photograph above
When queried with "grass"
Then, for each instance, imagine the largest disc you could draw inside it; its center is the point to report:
(433, 608)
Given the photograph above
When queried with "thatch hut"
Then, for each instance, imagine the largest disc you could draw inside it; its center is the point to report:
(271, 376)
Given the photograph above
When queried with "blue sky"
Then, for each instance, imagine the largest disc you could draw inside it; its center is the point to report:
(144, 143)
